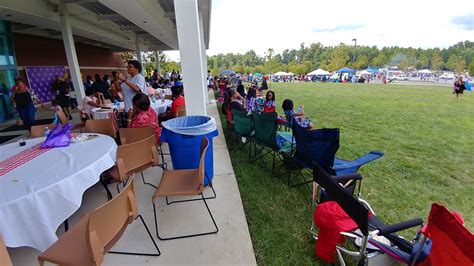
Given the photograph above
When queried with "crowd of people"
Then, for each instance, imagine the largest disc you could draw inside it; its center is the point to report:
(133, 89)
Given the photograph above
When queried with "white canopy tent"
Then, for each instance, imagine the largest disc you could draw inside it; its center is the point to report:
(424, 71)
(365, 72)
(282, 73)
(318, 72)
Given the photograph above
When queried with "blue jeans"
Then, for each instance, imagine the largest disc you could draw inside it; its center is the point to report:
(27, 114)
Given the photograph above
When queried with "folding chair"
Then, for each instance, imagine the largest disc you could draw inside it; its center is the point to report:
(243, 127)
(130, 135)
(132, 158)
(366, 226)
(101, 126)
(265, 138)
(96, 233)
(321, 146)
(184, 183)
(38, 130)
(452, 243)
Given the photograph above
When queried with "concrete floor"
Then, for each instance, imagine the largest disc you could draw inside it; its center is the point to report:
(231, 245)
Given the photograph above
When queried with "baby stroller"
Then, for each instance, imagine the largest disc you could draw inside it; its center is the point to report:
(446, 240)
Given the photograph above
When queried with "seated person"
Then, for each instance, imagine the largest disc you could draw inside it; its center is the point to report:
(178, 100)
(299, 115)
(251, 100)
(92, 100)
(269, 104)
(241, 90)
(235, 100)
(141, 115)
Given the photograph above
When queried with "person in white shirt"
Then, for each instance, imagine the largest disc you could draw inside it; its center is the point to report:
(92, 100)
(133, 84)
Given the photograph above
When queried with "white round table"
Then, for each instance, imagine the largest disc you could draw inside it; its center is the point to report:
(40, 194)
(158, 106)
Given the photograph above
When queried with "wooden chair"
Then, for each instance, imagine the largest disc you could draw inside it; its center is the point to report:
(101, 126)
(4, 256)
(181, 111)
(183, 183)
(132, 158)
(87, 242)
(38, 130)
(62, 117)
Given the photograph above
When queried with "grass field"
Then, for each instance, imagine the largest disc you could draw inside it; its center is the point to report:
(428, 139)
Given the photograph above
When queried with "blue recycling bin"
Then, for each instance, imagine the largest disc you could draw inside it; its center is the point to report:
(184, 135)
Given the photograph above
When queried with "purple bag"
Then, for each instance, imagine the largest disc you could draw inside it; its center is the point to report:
(59, 136)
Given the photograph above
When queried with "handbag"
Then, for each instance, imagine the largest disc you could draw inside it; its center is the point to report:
(59, 136)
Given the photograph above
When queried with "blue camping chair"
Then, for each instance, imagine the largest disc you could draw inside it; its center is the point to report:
(321, 146)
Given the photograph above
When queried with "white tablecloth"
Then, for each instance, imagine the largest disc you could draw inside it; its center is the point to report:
(158, 106)
(38, 196)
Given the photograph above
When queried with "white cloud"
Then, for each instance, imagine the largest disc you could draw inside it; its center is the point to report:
(238, 26)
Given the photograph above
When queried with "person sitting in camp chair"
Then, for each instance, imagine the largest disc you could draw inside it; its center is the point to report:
(299, 115)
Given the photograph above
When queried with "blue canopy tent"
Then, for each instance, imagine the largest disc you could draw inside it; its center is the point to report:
(346, 70)
(372, 70)
(228, 72)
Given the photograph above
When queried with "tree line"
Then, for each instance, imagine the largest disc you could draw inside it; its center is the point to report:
(457, 58)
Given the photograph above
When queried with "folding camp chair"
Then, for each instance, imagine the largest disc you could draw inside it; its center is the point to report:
(366, 227)
(265, 138)
(321, 146)
(243, 127)
(452, 243)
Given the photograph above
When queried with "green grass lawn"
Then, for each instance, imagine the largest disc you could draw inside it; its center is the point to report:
(428, 140)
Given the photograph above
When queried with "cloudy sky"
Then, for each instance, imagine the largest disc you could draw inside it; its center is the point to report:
(238, 26)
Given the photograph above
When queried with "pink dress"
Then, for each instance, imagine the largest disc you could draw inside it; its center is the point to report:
(146, 119)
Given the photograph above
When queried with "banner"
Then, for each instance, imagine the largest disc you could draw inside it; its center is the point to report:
(40, 79)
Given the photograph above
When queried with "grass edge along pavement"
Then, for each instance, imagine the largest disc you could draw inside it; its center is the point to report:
(426, 134)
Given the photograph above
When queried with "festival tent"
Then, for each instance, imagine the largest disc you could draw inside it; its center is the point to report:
(424, 71)
(365, 72)
(372, 70)
(346, 70)
(256, 74)
(228, 72)
(319, 72)
(281, 73)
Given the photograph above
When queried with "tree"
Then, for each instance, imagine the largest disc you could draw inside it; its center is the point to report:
(471, 68)
(456, 63)
(423, 61)
(339, 58)
(239, 69)
(380, 60)
(362, 62)
(436, 60)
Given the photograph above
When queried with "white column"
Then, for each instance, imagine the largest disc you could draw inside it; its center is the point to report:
(71, 53)
(158, 67)
(191, 49)
(138, 51)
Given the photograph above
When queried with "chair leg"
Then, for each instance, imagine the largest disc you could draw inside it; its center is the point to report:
(146, 183)
(273, 164)
(106, 187)
(191, 235)
(142, 254)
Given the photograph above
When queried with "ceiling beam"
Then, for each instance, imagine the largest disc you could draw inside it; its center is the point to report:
(79, 1)
(109, 17)
(170, 15)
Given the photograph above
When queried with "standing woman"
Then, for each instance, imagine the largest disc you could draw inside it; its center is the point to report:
(24, 103)
(133, 84)
(62, 97)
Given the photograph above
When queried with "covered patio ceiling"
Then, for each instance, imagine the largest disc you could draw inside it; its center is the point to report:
(118, 25)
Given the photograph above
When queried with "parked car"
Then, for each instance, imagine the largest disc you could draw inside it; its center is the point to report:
(401, 77)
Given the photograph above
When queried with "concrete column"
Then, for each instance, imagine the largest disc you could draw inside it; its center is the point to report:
(192, 53)
(138, 52)
(71, 55)
(158, 67)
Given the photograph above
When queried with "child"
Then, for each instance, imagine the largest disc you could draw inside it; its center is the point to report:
(90, 101)
(299, 115)
(269, 104)
(251, 100)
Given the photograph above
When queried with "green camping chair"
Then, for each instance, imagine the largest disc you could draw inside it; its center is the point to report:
(265, 139)
(243, 128)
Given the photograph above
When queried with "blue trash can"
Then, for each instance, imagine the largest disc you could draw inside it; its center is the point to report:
(184, 135)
